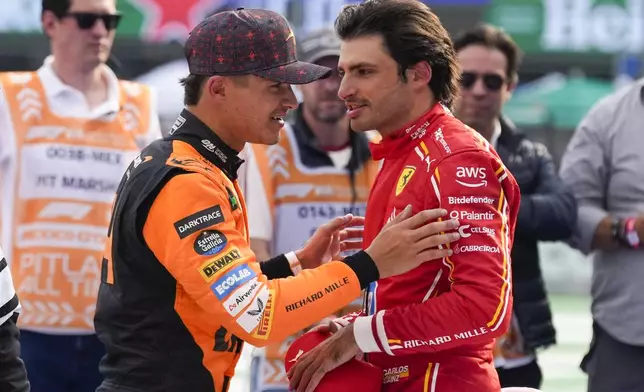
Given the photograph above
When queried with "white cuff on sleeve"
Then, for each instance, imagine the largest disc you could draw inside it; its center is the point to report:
(294, 262)
(363, 333)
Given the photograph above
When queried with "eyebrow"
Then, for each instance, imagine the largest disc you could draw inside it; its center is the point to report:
(359, 65)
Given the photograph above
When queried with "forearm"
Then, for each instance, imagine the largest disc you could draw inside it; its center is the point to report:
(593, 231)
(604, 238)
(461, 317)
(300, 301)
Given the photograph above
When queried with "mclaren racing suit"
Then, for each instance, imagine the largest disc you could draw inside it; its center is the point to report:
(433, 328)
(181, 290)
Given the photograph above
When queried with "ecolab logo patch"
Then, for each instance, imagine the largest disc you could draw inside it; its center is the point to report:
(230, 281)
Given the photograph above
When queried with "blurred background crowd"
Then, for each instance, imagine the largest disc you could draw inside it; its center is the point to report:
(576, 52)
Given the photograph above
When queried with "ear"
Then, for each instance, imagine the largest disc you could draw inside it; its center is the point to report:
(216, 86)
(48, 20)
(514, 82)
(420, 73)
(511, 85)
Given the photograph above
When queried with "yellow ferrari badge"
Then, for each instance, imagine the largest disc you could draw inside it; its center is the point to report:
(404, 178)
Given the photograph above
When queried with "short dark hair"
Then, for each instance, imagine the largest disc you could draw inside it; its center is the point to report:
(493, 37)
(58, 7)
(192, 88)
(411, 33)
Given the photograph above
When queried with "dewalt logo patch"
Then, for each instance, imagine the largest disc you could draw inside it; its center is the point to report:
(211, 267)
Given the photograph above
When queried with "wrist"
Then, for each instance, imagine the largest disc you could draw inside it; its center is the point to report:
(625, 232)
(299, 254)
(294, 262)
(639, 227)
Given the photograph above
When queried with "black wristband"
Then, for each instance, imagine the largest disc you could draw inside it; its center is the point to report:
(364, 267)
(616, 228)
(276, 268)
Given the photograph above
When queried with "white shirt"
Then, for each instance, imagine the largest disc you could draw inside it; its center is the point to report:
(258, 211)
(495, 134)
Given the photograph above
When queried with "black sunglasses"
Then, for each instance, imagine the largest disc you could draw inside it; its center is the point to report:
(87, 20)
(492, 82)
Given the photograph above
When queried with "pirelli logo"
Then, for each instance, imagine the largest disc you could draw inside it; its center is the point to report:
(264, 327)
(210, 268)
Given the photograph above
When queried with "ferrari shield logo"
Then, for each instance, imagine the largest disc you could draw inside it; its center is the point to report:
(404, 178)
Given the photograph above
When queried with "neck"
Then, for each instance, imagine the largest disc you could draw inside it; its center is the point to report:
(486, 130)
(218, 126)
(83, 80)
(420, 106)
(329, 135)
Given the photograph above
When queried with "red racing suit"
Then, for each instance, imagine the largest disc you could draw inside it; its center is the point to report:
(433, 328)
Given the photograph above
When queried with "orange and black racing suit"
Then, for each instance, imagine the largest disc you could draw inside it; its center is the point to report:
(181, 290)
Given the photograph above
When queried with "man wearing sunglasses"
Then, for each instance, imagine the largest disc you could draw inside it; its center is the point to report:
(489, 60)
(67, 133)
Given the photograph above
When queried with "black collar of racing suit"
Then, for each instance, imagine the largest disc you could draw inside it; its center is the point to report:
(189, 129)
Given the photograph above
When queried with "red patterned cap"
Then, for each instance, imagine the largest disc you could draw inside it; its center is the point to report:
(249, 41)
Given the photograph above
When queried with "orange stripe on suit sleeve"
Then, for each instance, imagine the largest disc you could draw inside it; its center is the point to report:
(504, 287)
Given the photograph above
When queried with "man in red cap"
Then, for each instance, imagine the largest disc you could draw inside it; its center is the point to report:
(432, 329)
(181, 291)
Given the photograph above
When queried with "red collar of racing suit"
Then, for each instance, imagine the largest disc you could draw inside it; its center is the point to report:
(401, 141)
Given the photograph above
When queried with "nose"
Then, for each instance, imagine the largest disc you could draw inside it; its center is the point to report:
(291, 100)
(346, 89)
(479, 87)
(99, 29)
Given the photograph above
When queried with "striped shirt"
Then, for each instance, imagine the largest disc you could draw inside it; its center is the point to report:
(8, 299)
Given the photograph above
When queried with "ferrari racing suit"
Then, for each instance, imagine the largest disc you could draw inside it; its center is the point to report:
(433, 328)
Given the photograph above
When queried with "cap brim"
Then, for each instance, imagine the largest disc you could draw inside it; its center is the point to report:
(298, 72)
